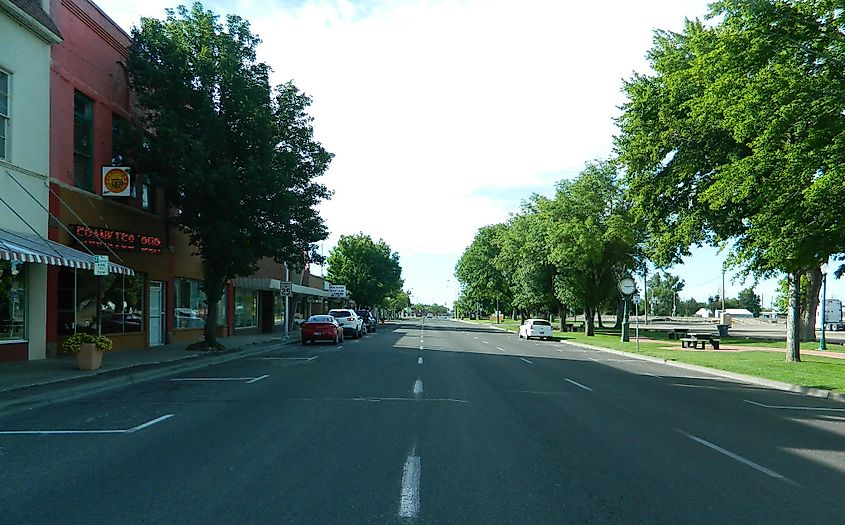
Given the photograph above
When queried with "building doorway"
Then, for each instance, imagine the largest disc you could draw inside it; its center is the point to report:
(157, 311)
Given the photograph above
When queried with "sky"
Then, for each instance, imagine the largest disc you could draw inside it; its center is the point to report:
(444, 115)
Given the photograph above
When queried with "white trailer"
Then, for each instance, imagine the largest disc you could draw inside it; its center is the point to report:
(833, 315)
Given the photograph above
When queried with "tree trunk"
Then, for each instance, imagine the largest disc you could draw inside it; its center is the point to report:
(213, 288)
(620, 313)
(561, 313)
(793, 318)
(589, 321)
(811, 303)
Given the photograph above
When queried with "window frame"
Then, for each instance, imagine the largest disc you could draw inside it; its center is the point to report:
(87, 119)
(5, 118)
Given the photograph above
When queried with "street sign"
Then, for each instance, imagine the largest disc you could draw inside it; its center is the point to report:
(286, 288)
(338, 291)
(101, 265)
(635, 298)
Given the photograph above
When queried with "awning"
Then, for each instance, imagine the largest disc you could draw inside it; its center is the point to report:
(258, 283)
(307, 290)
(30, 248)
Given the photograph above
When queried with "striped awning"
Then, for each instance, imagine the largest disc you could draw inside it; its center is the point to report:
(24, 247)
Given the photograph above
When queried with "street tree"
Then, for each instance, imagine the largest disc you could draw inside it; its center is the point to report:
(592, 238)
(369, 269)
(523, 259)
(236, 158)
(748, 299)
(663, 290)
(482, 281)
(739, 136)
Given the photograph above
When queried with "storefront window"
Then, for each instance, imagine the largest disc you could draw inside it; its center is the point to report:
(191, 308)
(121, 303)
(246, 308)
(12, 301)
(122, 308)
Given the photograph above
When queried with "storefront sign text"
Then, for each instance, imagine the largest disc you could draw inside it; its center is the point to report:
(117, 240)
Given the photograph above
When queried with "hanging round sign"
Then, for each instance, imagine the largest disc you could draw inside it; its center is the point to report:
(116, 181)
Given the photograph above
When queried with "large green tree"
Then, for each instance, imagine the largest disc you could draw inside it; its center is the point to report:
(738, 135)
(482, 281)
(235, 157)
(592, 238)
(369, 269)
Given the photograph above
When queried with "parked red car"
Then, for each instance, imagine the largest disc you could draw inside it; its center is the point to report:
(321, 328)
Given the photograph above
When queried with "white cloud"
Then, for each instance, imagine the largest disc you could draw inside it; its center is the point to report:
(426, 102)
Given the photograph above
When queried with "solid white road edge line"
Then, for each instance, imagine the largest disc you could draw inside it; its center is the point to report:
(783, 407)
(527, 361)
(731, 455)
(257, 379)
(212, 378)
(579, 385)
(409, 499)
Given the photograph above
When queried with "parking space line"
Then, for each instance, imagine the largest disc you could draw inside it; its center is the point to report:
(257, 379)
(66, 432)
(736, 457)
(579, 385)
(527, 361)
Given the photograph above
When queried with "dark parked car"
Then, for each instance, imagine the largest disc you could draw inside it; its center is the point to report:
(369, 319)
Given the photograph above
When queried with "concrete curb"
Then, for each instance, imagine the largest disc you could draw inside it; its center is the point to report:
(81, 387)
(741, 378)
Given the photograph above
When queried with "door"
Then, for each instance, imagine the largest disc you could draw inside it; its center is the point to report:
(156, 313)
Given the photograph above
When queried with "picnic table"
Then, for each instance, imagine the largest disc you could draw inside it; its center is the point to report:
(693, 339)
(677, 333)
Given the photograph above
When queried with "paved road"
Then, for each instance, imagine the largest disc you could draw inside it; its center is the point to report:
(428, 422)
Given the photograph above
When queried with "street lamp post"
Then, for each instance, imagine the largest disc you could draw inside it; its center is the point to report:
(824, 268)
(627, 286)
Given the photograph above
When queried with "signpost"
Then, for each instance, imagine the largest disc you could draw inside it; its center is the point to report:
(101, 265)
(636, 300)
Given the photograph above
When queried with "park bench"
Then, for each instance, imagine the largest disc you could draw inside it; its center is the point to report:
(694, 339)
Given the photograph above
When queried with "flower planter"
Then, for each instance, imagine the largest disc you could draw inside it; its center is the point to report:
(88, 357)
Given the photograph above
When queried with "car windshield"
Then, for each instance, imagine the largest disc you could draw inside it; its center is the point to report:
(542, 323)
(340, 313)
(320, 319)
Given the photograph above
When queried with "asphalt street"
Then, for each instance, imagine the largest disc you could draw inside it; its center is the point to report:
(430, 421)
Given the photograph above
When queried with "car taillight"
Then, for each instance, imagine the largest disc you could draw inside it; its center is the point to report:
(351, 319)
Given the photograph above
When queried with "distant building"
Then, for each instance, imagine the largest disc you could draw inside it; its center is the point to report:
(703, 312)
(738, 312)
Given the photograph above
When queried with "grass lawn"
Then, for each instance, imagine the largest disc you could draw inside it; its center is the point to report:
(813, 371)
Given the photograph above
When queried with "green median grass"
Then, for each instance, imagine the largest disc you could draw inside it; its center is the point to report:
(813, 371)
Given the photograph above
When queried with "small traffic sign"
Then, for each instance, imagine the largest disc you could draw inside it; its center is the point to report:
(286, 289)
(636, 298)
(101, 265)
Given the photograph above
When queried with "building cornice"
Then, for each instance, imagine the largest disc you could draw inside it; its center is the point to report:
(49, 34)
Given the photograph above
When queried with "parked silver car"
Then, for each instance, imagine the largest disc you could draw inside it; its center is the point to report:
(351, 322)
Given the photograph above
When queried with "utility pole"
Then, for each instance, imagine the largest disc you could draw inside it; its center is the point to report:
(723, 289)
(645, 286)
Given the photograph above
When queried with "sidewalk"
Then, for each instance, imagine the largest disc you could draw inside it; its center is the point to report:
(29, 384)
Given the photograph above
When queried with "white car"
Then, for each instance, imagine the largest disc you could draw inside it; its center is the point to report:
(350, 321)
(536, 328)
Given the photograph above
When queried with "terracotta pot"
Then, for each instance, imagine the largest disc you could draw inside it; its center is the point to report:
(88, 357)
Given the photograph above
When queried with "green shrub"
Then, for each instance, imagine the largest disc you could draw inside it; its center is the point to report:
(73, 343)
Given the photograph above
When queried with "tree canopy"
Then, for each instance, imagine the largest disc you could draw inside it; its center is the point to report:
(738, 135)
(235, 157)
(370, 270)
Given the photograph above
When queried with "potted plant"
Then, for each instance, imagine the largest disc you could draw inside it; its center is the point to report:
(88, 349)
